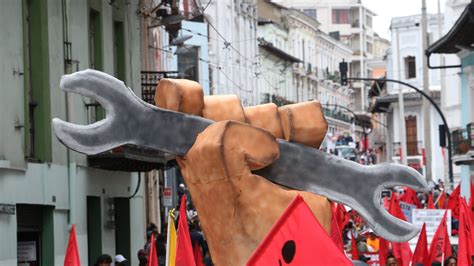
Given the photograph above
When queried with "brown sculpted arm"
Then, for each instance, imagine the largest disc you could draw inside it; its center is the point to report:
(236, 207)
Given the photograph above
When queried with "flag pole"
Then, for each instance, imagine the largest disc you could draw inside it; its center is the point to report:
(168, 236)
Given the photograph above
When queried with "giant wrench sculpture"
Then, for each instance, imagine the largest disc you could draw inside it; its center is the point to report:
(129, 120)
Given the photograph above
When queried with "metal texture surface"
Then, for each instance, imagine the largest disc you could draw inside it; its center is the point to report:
(129, 120)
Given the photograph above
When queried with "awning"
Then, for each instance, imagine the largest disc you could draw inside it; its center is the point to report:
(460, 36)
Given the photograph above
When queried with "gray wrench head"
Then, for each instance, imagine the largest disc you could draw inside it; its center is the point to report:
(368, 201)
(101, 135)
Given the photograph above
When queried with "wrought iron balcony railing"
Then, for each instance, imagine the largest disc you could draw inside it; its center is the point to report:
(463, 140)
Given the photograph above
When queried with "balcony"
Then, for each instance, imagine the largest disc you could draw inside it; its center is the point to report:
(132, 158)
(414, 149)
(338, 115)
(463, 145)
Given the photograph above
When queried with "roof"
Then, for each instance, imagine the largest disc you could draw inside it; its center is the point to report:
(276, 51)
(459, 36)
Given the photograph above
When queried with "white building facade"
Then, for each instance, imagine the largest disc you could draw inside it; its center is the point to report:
(351, 22)
(405, 64)
(233, 48)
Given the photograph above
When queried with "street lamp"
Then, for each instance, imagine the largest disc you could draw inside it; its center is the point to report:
(344, 79)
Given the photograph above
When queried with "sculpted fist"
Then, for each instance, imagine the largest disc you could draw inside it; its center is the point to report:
(236, 207)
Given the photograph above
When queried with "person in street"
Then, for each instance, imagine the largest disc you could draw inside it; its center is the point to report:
(373, 242)
(103, 260)
(451, 261)
(120, 260)
(391, 260)
(142, 257)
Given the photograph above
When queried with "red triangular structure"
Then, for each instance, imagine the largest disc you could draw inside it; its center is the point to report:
(153, 256)
(453, 202)
(440, 246)
(430, 204)
(355, 252)
(421, 251)
(336, 231)
(72, 257)
(401, 251)
(184, 248)
(198, 255)
(465, 246)
(297, 238)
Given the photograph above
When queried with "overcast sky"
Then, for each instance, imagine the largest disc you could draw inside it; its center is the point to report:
(387, 9)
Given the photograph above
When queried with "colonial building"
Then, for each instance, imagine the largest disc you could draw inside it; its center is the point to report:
(350, 22)
(404, 63)
(44, 187)
(301, 63)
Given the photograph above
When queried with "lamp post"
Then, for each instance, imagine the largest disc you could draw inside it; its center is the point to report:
(344, 79)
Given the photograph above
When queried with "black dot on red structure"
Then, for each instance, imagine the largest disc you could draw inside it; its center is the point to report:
(288, 251)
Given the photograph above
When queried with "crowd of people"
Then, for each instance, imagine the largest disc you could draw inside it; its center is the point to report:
(356, 235)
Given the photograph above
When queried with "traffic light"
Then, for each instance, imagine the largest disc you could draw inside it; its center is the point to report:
(442, 135)
(343, 71)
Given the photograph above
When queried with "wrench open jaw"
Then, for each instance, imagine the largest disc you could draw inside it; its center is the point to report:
(129, 120)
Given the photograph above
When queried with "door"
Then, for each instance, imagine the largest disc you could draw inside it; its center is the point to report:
(412, 139)
(122, 226)
(94, 228)
(35, 235)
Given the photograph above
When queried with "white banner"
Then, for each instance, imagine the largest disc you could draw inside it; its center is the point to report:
(431, 218)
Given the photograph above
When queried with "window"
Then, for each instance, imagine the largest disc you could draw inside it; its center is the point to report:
(119, 51)
(369, 48)
(95, 40)
(368, 21)
(310, 12)
(410, 67)
(36, 81)
(340, 16)
(188, 62)
(94, 110)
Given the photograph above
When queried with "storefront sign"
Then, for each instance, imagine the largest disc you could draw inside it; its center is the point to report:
(7, 209)
(26, 251)
(407, 210)
(431, 218)
(167, 197)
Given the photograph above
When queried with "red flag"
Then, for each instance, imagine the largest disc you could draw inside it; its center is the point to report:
(441, 201)
(453, 202)
(72, 252)
(336, 231)
(421, 250)
(355, 252)
(401, 251)
(198, 255)
(299, 239)
(410, 197)
(440, 244)
(383, 251)
(430, 204)
(465, 247)
(153, 257)
(342, 217)
(184, 249)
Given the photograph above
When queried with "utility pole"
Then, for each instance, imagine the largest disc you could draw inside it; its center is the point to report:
(426, 88)
(401, 109)
(442, 81)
